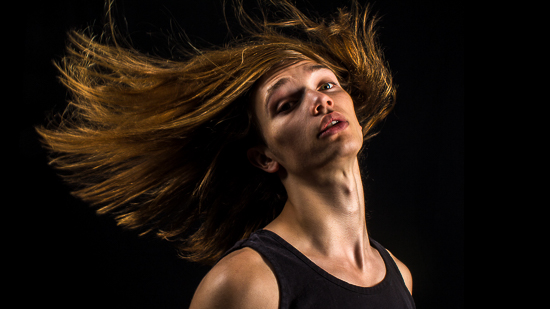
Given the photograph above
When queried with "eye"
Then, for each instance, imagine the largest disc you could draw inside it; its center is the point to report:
(326, 86)
(285, 106)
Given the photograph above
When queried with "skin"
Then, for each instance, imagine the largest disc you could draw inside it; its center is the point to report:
(324, 216)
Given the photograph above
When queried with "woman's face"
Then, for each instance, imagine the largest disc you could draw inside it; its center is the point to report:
(307, 120)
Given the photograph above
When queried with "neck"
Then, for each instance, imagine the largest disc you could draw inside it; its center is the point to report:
(325, 215)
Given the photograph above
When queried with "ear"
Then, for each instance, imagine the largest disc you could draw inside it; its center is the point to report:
(258, 157)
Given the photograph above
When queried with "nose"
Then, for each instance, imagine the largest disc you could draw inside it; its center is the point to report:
(320, 102)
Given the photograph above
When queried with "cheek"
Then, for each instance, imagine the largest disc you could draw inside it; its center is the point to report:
(288, 139)
(350, 109)
(288, 134)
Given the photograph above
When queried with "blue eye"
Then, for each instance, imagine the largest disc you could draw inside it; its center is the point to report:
(326, 86)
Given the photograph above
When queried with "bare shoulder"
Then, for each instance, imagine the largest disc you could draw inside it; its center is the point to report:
(405, 272)
(242, 279)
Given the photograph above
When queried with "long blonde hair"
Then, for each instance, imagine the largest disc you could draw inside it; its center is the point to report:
(161, 143)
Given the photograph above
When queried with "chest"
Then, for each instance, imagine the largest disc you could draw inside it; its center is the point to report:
(371, 274)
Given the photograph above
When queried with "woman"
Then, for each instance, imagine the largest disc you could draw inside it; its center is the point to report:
(256, 143)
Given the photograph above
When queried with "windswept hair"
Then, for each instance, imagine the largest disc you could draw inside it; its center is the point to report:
(161, 143)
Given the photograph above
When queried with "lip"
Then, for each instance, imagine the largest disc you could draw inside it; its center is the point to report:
(325, 130)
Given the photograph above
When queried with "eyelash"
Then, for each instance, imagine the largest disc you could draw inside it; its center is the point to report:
(329, 83)
(282, 109)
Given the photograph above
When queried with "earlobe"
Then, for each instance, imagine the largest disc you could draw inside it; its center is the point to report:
(258, 158)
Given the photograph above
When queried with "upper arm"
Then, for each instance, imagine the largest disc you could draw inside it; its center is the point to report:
(405, 272)
(243, 279)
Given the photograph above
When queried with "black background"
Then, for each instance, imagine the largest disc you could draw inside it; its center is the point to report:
(73, 258)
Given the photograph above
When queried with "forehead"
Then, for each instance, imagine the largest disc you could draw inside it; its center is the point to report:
(274, 76)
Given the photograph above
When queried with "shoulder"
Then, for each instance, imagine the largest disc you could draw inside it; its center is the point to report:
(405, 272)
(242, 279)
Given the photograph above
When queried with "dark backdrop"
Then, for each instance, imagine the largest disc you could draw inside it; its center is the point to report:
(73, 257)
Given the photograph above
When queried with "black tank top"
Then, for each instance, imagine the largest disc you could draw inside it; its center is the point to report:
(303, 284)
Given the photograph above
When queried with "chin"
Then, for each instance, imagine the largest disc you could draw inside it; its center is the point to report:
(349, 149)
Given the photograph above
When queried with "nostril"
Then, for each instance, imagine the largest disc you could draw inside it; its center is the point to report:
(321, 103)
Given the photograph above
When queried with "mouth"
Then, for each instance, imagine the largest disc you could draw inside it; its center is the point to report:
(332, 123)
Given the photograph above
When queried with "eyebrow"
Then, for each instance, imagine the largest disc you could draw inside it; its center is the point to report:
(281, 82)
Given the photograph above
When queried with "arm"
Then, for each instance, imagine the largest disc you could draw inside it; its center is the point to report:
(243, 279)
(405, 272)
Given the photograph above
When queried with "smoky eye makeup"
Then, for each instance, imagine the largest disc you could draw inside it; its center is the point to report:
(285, 103)
(280, 99)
